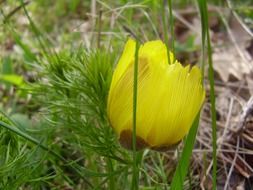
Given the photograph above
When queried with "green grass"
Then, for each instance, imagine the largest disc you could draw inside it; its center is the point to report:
(182, 166)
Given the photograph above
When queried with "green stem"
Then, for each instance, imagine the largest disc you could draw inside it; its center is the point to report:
(111, 177)
(205, 35)
(135, 176)
(171, 27)
(165, 28)
(213, 110)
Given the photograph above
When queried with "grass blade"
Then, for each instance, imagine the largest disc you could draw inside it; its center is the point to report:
(171, 20)
(182, 167)
(204, 22)
(165, 27)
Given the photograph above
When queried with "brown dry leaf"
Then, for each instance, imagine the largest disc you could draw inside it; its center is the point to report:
(234, 60)
(228, 62)
(238, 31)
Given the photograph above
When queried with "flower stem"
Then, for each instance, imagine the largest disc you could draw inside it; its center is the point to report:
(165, 28)
(110, 170)
(171, 21)
(135, 176)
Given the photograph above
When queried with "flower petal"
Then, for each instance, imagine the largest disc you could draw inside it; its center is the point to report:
(125, 60)
(120, 103)
(156, 51)
(181, 102)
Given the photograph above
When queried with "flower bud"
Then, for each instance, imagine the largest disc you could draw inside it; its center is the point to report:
(169, 97)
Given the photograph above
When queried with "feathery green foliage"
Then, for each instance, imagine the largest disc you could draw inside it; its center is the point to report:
(75, 96)
(20, 162)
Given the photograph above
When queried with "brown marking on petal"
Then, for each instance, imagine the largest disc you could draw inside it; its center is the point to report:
(126, 141)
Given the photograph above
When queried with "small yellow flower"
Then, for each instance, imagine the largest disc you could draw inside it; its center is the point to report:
(168, 99)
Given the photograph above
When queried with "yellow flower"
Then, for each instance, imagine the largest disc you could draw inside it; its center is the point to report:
(168, 99)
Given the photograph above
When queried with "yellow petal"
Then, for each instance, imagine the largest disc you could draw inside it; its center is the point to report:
(178, 106)
(156, 51)
(125, 60)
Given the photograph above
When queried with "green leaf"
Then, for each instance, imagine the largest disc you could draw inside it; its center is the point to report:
(182, 167)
